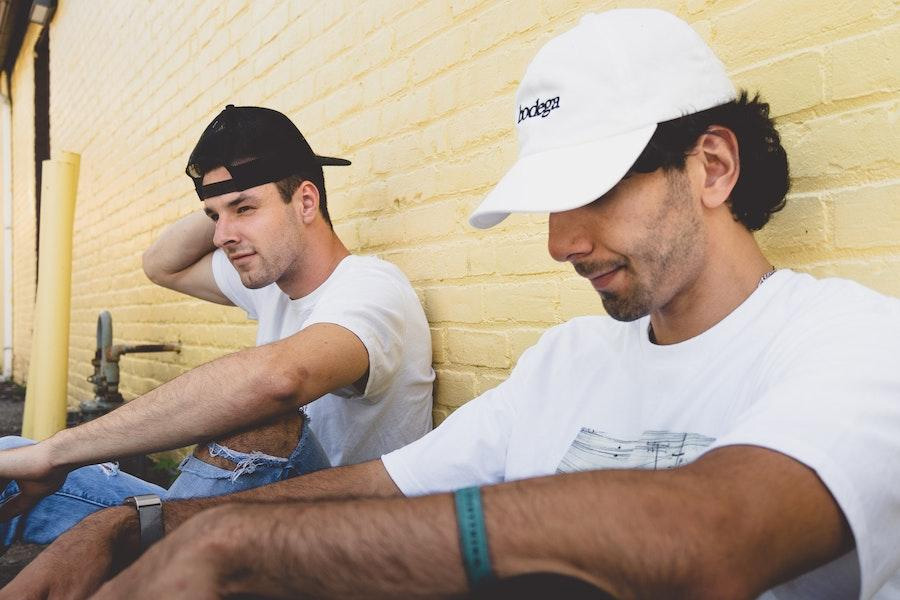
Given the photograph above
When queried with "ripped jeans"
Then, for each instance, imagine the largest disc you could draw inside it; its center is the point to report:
(95, 487)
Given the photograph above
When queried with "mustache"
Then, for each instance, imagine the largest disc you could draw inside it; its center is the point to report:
(238, 252)
(588, 268)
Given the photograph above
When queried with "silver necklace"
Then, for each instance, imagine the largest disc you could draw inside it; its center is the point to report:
(765, 276)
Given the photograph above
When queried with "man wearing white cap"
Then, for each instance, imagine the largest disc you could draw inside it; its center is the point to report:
(731, 432)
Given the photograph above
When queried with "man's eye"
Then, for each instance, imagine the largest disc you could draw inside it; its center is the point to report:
(243, 209)
(213, 216)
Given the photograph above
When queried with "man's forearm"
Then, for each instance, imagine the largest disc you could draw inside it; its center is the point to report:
(179, 246)
(365, 480)
(226, 395)
(693, 532)
(214, 399)
(374, 548)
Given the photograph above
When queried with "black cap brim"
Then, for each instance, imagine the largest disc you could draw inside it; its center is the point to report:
(330, 161)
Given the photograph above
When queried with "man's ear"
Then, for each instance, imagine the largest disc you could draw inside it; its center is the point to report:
(719, 153)
(306, 198)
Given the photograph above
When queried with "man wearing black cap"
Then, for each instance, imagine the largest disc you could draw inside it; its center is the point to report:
(342, 336)
(731, 432)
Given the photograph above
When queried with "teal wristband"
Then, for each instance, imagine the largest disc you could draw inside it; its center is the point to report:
(473, 536)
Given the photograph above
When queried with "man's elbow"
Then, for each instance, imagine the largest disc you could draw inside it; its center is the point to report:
(283, 384)
(155, 272)
(151, 268)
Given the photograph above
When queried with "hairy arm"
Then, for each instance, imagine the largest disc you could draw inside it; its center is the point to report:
(733, 524)
(181, 258)
(226, 395)
(365, 480)
(112, 534)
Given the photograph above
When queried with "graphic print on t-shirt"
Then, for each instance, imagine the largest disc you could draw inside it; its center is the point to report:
(654, 450)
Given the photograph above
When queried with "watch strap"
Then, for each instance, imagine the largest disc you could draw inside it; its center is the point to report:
(149, 509)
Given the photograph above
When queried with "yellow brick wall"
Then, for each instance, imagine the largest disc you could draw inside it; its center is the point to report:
(420, 96)
(24, 220)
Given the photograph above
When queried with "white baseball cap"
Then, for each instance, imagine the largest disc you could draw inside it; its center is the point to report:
(590, 101)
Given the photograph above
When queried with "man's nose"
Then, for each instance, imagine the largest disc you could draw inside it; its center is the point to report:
(566, 238)
(225, 233)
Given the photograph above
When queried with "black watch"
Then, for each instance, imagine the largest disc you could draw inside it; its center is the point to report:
(149, 509)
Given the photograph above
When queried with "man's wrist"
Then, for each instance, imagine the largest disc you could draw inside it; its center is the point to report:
(52, 448)
(58, 450)
(150, 519)
(120, 524)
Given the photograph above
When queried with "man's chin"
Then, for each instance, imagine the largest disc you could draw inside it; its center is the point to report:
(254, 283)
(622, 310)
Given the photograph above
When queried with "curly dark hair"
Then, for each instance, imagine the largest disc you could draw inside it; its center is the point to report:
(764, 178)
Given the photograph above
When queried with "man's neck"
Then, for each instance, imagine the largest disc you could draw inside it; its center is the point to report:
(724, 283)
(321, 257)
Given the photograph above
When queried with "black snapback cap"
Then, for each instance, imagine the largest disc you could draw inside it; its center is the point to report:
(256, 145)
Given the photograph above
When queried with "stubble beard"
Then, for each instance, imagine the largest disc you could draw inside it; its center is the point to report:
(627, 307)
(669, 248)
(254, 280)
(258, 277)
(281, 261)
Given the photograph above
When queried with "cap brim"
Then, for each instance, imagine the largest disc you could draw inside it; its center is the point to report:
(329, 161)
(563, 178)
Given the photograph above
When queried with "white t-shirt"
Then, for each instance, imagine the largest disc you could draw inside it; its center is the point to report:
(373, 299)
(807, 367)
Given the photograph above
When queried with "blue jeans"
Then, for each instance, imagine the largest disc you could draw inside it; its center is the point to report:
(95, 487)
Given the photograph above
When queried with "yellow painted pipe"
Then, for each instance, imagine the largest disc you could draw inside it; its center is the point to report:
(48, 371)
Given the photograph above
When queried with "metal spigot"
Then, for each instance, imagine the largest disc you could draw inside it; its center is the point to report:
(106, 369)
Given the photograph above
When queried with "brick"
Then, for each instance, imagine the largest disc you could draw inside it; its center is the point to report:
(788, 85)
(534, 301)
(867, 217)
(499, 21)
(777, 28)
(474, 171)
(516, 257)
(458, 304)
(419, 24)
(804, 221)
(864, 65)
(521, 340)
(481, 256)
(381, 230)
(477, 348)
(440, 414)
(479, 124)
(438, 54)
(274, 22)
(577, 298)
(426, 264)
(438, 345)
(434, 221)
(840, 146)
(453, 388)
(488, 381)
(881, 274)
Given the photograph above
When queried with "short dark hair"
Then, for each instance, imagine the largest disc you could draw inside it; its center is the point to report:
(764, 178)
(288, 185)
